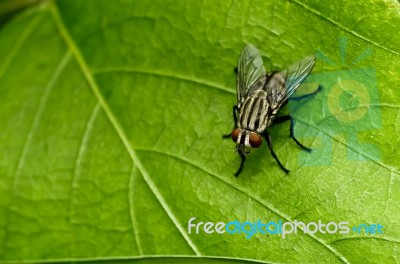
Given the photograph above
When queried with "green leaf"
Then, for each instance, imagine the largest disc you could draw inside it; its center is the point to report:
(112, 115)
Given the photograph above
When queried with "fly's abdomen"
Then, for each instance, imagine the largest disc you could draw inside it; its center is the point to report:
(254, 114)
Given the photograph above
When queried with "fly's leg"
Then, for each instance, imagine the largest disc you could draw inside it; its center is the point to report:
(235, 111)
(306, 95)
(269, 141)
(281, 119)
(243, 157)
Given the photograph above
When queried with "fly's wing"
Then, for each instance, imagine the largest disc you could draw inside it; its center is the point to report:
(250, 69)
(281, 85)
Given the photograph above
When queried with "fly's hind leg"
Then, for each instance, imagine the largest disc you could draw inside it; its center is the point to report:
(306, 95)
(281, 119)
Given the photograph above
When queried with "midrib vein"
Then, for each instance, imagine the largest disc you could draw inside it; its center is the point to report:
(114, 122)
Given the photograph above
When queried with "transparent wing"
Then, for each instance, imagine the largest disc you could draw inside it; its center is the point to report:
(250, 69)
(297, 73)
(281, 85)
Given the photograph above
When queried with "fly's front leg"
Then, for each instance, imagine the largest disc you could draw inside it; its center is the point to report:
(235, 111)
(243, 157)
(269, 141)
(281, 119)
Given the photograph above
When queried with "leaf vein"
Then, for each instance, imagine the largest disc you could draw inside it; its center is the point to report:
(79, 156)
(388, 239)
(38, 115)
(165, 75)
(131, 211)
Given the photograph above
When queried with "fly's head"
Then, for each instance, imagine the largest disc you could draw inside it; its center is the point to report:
(245, 140)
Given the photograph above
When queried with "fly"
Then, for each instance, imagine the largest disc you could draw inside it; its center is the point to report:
(260, 96)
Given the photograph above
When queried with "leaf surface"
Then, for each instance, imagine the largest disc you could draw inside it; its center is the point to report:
(112, 117)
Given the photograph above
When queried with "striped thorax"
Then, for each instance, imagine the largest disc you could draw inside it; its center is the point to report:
(257, 111)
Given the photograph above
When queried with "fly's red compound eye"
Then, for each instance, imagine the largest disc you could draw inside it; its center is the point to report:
(235, 134)
(255, 140)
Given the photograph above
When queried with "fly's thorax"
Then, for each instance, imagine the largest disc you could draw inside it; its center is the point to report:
(246, 139)
(255, 112)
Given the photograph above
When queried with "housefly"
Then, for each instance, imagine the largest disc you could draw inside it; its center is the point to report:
(260, 96)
